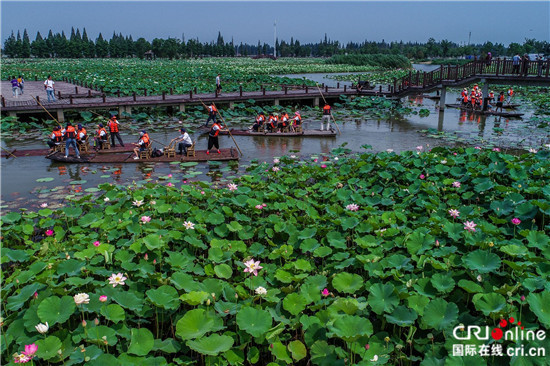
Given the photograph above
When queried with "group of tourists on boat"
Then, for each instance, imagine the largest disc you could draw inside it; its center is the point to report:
(475, 99)
(280, 123)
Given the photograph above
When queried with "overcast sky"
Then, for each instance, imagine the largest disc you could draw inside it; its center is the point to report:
(307, 21)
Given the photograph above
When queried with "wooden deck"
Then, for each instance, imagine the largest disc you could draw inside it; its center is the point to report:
(502, 114)
(305, 133)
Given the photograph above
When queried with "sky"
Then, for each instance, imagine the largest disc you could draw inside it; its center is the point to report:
(249, 21)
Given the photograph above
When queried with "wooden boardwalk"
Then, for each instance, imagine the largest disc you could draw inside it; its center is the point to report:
(84, 97)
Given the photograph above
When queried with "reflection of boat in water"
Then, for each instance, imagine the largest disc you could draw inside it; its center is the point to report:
(304, 133)
(93, 157)
(503, 114)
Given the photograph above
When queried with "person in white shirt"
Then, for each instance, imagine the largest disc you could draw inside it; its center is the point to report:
(184, 141)
(49, 86)
(218, 84)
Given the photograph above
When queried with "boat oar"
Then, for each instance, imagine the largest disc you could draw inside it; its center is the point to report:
(46, 111)
(317, 85)
(237, 145)
(9, 153)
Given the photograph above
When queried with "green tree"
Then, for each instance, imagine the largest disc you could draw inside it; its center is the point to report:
(142, 46)
(101, 47)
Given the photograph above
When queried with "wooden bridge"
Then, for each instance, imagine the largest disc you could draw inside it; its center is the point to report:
(73, 95)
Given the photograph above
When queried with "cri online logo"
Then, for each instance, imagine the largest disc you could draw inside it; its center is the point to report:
(512, 334)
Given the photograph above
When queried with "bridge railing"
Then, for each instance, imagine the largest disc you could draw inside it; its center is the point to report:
(450, 73)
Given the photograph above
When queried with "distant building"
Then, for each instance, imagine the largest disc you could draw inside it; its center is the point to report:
(149, 55)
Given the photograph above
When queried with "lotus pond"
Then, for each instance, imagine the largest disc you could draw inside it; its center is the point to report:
(346, 259)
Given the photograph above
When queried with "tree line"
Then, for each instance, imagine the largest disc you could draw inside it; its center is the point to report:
(80, 45)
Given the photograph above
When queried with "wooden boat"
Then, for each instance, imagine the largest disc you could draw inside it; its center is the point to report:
(93, 157)
(505, 106)
(502, 114)
(43, 152)
(304, 133)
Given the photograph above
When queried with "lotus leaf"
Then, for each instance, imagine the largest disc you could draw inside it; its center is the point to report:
(255, 322)
(212, 345)
(141, 342)
(196, 323)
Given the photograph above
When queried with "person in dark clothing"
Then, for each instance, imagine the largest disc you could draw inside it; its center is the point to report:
(525, 64)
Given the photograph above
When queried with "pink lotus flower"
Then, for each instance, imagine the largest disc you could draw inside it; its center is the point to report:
(96, 243)
(84, 323)
(422, 176)
(35, 295)
(522, 298)
(456, 184)
(169, 184)
(184, 181)
(323, 166)
(276, 161)
(252, 267)
(232, 187)
(367, 346)
(259, 207)
(496, 149)
(169, 175)
(49, 232)
(516, 221)
(477, 148)
(44, 205)
(103, 298)
(419, 148)
(454, 213)
(275, 169)
(470, 226)
(352, 207)
(145, 219)
(264, 205)
(202, 192)
(146, 257)
(325, 292)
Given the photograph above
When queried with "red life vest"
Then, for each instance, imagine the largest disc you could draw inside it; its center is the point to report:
(99, 132)
(213, 109)
(273, 121)
(83, 130)
(58, 136)
(491, 95)
(465, 99)
(260, 118)
(297, 119)
(510, 92)
(501, 98)
(326, 110)
(70, 132)
(113, 126)
(145, 139)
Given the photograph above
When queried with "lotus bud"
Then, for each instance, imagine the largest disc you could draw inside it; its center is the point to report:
(236, 295)
(208, 302)
(96, 321)
(522, 298)
(84, 323)
(386, 339)
(87, 358)
(430, 336)
(367, 346)
(35, 295)
(491, 244)
(146, 256)
(59, 352)
(154, 261)
(16, 280)
(213, 295)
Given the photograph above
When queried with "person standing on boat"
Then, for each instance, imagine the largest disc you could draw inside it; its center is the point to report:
(297, 120)
(184, 141)
(218, 84)
(101, 137)
(500, 101)
(327, 115)
(213, 138)
(70, 135)
(113, 128)
(49, 86)
(56, 138)
(510, 95)
(142, 144)
(212, 111)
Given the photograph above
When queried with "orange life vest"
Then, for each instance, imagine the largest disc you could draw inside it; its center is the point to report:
(501, 98)
(260, 118)
(58, 135)
(83, 130)
(510, 92)
(297, 119)
(273, 121)
(491, 95)
(145, 139)
(70, 132)
(465, 99)
(99, 132)
(326, 110)
(213, 109)
(215, 132)
(113, 126)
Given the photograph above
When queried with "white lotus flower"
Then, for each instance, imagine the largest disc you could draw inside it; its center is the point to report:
(374, 359)
(81, 298)
(117, 279)
(188, 225)
(138, 203)
(261, 291)
(232, 186)
(42, 328)
(106, 199)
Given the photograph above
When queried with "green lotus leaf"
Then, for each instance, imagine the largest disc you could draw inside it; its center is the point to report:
(482, 261)
(255, 322)
(382, 298)
(489, 303)
(294, 303)
(280, 352)
(351, 327)
(223, 271)
(165, 296)
(439, 314)
(100, 334)
(141, 342)
(402, 316)
(297, 349)
(56, 309)
(48, 347)
(443, 283)
(15, 302)
(212, 345)
(538, 303)
(113, 312)
(347, 282)
(196, 323)
(470, 286)
(195, 297)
